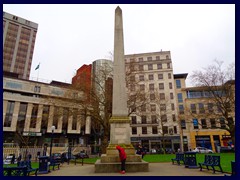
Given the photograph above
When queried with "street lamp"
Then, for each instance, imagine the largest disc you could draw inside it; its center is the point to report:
(53, 128)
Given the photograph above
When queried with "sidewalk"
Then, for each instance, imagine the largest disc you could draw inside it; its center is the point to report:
(155, 169)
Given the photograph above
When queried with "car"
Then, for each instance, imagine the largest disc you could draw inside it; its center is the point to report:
(81, 155)
(8, 159)
(202, 150)
(65, 156)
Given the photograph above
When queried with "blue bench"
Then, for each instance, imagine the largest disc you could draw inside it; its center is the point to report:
(211, 161)
(15, 171)
(29, 167)
(179, 157)
(54, 162)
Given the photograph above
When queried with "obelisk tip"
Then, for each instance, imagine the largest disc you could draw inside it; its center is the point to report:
(118, 9)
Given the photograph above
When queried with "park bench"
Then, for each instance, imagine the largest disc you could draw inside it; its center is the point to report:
(54, 162)
(211, 161)
(15, 171)
(28, 164)
(179, 157)
(233, 172)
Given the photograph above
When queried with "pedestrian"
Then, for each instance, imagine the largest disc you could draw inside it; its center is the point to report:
(13, 159)
(140, 151)
(123, 157)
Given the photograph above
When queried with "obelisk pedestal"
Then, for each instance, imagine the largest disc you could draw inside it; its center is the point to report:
(120, 122)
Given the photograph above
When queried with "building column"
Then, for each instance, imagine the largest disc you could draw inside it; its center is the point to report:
(88, 125)
(5, 103)
(39, 118)
(15, 49)
(50, 119)
(28, 117)
(15, 116)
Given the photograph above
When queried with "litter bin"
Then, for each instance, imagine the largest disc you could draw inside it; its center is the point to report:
(190, 159)
(43, 165)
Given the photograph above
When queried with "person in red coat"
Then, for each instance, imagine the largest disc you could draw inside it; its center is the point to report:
(123, 157)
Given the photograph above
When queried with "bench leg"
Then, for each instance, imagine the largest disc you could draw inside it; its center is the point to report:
(200, 166)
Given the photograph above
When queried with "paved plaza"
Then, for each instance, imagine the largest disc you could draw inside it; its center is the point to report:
(155, 169)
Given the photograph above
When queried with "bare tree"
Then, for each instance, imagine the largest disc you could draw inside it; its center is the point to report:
(218, 84)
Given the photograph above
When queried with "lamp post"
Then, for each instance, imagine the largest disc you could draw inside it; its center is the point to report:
(53, 128)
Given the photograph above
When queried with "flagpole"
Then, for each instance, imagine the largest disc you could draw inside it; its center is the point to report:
(38, 70)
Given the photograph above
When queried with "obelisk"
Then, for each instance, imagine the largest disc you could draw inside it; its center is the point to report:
(120, 121)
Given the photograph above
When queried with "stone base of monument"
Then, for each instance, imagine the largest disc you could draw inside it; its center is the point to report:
(110, 161)
(110, 167)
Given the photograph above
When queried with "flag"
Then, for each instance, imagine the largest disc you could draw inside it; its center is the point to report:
(37, 66)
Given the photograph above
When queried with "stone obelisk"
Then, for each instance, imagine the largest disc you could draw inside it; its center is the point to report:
(120, 121)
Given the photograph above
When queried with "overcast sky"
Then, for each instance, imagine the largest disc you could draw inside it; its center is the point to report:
(72, 35)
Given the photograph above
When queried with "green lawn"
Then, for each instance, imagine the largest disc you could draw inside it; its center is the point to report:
(226, 159)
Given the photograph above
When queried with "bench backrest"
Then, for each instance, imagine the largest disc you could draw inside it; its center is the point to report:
(216, 160)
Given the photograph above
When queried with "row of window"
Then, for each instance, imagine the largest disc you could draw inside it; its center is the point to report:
(205, 124)
(140, 67)
(141, 59)
(154, 130)
(151, 87)
(152, 120)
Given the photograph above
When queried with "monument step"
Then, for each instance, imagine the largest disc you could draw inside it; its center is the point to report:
(130, 158)
(116, 167)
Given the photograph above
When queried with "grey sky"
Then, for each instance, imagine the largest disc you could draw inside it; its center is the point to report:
(72, 35)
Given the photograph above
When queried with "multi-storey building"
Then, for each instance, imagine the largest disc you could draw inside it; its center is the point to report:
(200, 118)
(19, 37)
(153, 106)
(31, 108)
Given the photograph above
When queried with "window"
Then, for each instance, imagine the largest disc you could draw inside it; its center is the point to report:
(164, 118)
(168, 65)
(222, 123)
(183, 124)
(201, 108)
(142, 87)
(163, 107)
(144, 130)
(152, 96)
(140, 67)
(134, 120)
(150, 67)
(213, 123)
(162, 96)
(65, 118)
(132, 87)
(133, 108)
(178, 83)
(165, 130)
(132, 78)
(169, 76)
(143, 108)
(167, 57)
(161, 85)
(33, 120)
(204, 123)
(181, 109)
(140, 59)
(134, 130)
(170, 85)
(141, 77)
(150, 77)
(193, 108)
(74, 119)
(210, 107)
(154, 130)
(160, 76)
(180, 99)
(22, 116)
(154, 119)
(132, 60)
(195, 123)
(159, 66)
(37, 89)
(151, 87)
(149, 58)
(175, 129)
(174, 117)
(153, 107)
(171, 95)
(173, 107)
(157, 57)
(45, 115)
(56, 116)
(9, 114)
